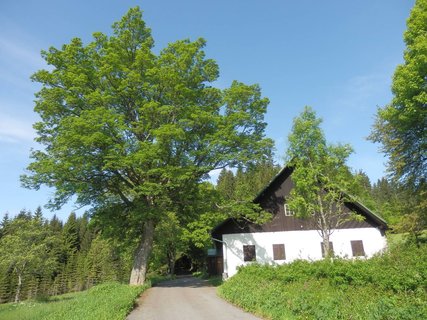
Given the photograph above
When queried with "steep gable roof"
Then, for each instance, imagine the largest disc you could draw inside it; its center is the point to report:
(283, 174)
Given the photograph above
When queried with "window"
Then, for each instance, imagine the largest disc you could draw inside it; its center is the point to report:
(331, 248)
(279, 251)
(249, 253)
(357, 248)
(288, 211)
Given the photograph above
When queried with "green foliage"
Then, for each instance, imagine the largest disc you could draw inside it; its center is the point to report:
(403, 209)
(390, 199)
(236, 192)
(392, 286)
(118, 119)
(106, 301)
(71, 234)
(322, 181)
(400, 127)
(131, 132)
(51, 265)
(215, 281)
(27, 246)
(101, 262)
(363, 190)
(169, 242)
(189, 225)
(245, 184)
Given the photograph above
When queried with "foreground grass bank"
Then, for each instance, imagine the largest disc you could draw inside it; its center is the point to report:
(392, 286)
(112, 301)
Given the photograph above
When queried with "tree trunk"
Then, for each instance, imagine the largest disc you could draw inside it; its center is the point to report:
(140, 263)
(326, 245)
(18, 288)
(171, 261)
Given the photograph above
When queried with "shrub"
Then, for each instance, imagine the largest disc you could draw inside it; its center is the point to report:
(391, 286)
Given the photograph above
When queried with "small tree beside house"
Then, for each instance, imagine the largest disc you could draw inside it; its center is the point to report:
(321, 177)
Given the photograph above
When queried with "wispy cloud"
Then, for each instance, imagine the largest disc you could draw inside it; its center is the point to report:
(13, 130)
(364, 88)
(15, 51)
(359, 92)
(15, 80)
(359, 96)
(18, 60)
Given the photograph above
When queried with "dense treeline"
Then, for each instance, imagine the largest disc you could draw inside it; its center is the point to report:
(395, 202)
(41, 257)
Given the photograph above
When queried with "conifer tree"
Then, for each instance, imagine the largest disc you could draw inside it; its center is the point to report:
(28, 246)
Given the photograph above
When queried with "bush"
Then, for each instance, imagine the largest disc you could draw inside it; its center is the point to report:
(391, 286)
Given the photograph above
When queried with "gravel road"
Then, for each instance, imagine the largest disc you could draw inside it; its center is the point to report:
(185, 299)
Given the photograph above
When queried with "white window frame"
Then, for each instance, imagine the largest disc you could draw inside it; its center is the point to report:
(288, 212)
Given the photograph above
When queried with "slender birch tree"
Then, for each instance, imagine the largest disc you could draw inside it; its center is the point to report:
(320, 176)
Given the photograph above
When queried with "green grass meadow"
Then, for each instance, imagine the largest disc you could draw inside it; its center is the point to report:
(112, 301)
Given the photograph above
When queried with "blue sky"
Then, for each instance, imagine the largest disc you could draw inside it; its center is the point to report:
(336, 56)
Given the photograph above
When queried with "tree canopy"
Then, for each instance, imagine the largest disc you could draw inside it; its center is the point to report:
(320, 176)
(401, 126)
(125, 128)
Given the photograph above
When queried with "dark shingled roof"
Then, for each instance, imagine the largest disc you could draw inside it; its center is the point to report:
(287, 170)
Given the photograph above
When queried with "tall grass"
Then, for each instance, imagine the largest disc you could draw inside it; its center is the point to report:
(392, 286)
(112, 301)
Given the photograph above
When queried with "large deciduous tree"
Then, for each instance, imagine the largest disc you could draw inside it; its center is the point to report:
(131, 132)
(320, 177)
(401, 126)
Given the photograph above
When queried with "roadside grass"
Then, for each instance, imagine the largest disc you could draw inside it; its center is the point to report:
(391, 286)
(112, 301)
(215, 281)
(156, 278)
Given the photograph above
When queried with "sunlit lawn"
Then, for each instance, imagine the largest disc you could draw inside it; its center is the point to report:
(106, 301)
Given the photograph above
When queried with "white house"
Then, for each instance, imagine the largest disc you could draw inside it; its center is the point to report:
(286, 238)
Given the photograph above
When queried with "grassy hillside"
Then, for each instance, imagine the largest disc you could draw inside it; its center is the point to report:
(392, 286)
(107, 301)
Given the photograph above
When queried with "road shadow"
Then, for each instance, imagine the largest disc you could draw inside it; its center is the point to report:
(184, 282)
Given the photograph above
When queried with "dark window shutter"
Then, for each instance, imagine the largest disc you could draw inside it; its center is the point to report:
(357, 248)
(249, 253)
(331, 248)
(279, 252)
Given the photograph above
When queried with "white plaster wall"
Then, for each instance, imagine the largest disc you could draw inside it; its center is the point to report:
(298, 245)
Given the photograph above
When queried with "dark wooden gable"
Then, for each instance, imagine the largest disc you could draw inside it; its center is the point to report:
(272, 199)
